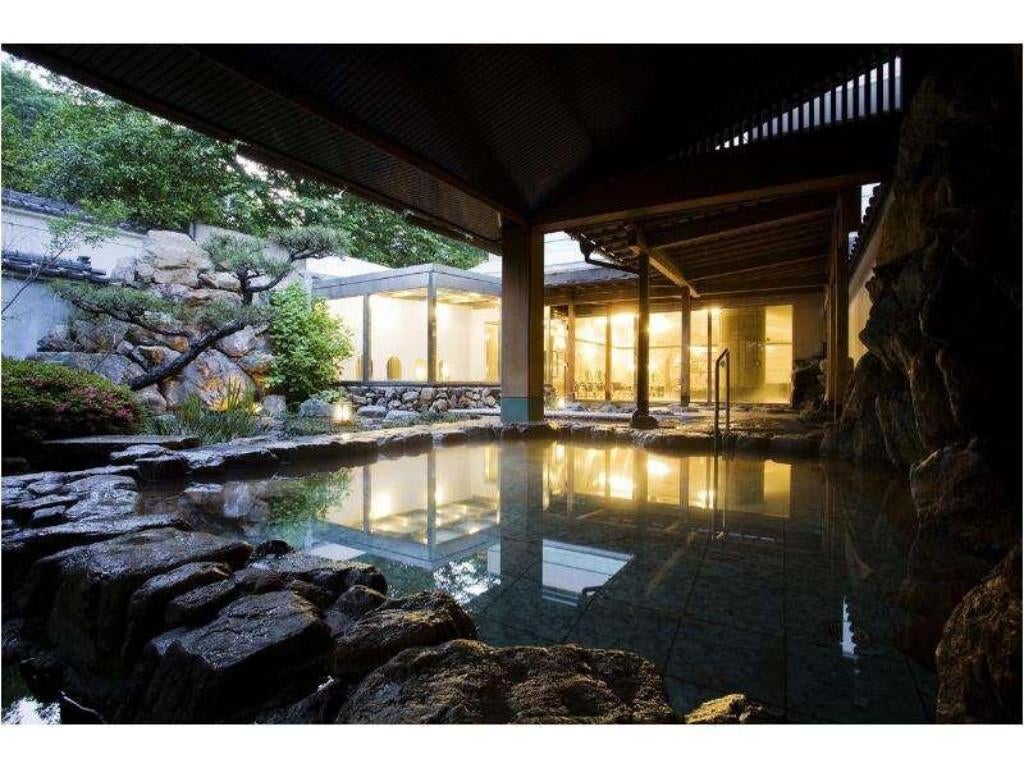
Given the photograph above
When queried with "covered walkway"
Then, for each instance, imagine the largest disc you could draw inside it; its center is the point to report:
(745, 188)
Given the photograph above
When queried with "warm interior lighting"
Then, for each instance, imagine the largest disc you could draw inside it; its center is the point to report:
(705, 499)
(657, 467)
(659, 324)
(381, 505)
(341, 412)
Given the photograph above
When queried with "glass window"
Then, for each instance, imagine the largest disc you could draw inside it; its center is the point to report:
(590, 357)
(623, 372)
(398, 332)
(555, 329)
(350, 312)
(760, 343)
(665, 356)
(468, 336)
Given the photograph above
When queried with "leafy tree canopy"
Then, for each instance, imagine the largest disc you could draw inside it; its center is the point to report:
(65, 141)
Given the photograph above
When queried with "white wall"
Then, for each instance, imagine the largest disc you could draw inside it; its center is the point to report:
(28, 232)
(398, 327)
(37, 310)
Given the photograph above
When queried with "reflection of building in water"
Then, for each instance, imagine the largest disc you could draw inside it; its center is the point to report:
(421, 510)
(426, 510)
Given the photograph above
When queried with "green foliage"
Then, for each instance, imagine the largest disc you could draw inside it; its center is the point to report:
(309, 242)
(304, 426)
(235, 416)
(309, 344)
(44, 401)
(68, 142)
(297, 505)
(153, 312)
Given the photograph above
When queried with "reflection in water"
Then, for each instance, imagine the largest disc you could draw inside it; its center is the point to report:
(729, 574)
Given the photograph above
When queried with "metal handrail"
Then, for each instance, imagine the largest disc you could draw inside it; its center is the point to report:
(723, 357)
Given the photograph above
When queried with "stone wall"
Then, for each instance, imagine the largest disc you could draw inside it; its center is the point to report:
(937, 393)
(380, 399)
(173, 266)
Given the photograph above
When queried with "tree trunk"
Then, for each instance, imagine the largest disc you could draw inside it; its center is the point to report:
(195, 348)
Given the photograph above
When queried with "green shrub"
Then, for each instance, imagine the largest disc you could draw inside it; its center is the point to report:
(309, 344)
(236, 416)
(44, 401)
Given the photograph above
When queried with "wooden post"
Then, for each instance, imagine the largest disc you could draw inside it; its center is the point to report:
(845, 219)
(367, 357)
(608, 354)
(522, 324)
(710, 361)
(432, 372)
(684, 349)
(641, 418)
(570, 352)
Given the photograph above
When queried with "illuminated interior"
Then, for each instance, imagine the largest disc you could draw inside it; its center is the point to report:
(760, 340)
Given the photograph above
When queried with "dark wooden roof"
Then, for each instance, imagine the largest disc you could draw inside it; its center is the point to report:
(463, 137)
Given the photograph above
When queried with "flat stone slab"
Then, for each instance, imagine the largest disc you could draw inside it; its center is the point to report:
(111, 443)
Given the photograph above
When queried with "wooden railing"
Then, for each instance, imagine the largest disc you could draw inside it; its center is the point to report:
(865, 91)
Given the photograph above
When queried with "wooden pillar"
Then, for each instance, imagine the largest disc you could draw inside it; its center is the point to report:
(522, 324)
(367, 357)
(641, 416)
(844, 219)
(608, 354)
(684, 349)
(711, 363)
(570, 352)
(432, 371)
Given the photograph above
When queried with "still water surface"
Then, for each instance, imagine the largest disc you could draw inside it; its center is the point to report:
(776, 579)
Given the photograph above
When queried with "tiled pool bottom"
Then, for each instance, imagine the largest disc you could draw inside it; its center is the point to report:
(777, 580)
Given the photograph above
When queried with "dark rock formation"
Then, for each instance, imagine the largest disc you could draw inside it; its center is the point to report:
(942, 374)
(259, 647)
(149, 602)
(422, 619)
(735, 708)
(979, 656)
(87, 590)
(333, 575)
(465, 681)
(23, 548)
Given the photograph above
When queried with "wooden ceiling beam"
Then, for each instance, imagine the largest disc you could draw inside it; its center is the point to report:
(828, 160)
(749, 219)
(664, 265)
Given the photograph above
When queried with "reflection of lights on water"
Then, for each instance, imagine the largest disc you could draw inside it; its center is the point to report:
(381, 504)
(846, 641)
(560, 452)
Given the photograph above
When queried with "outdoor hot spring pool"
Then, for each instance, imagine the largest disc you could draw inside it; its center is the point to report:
(731, 574)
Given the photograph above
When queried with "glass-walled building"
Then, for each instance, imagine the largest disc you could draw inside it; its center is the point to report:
(439, 325)
(422, 324)
(760, 339)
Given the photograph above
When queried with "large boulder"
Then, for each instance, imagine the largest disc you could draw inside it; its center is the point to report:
(209, 376)
(175, 250)
(422, 619)
(466, 681)
(735, 708)
(117, 368)
(258, 647)
(959, 497)
(979, 656)
(239, 343)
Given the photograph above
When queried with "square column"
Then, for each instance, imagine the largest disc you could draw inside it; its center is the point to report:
(641, 418)
(522, 324)
(570, 353)
(432, 372)
(684, 349)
